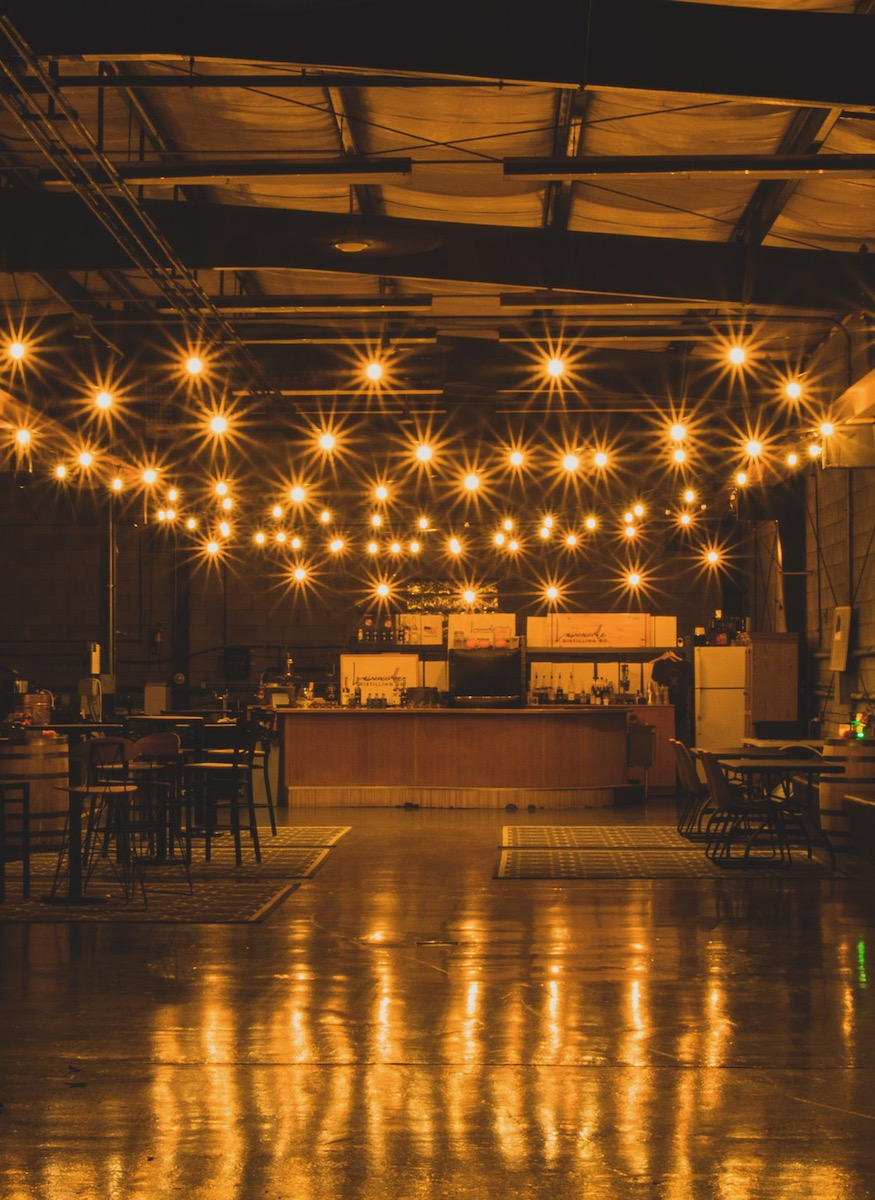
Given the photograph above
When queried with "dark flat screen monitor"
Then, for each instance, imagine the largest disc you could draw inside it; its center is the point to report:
(488, 678)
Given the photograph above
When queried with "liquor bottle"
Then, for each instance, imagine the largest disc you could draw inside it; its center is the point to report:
(357, 696)
(560, 690)
(344, 694)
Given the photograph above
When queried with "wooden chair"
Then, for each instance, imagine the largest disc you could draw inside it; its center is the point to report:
(739, 817)
(222, 782)
(164, 821)
(696, 793)
(265, 720)
(110, 798)
(15, 831)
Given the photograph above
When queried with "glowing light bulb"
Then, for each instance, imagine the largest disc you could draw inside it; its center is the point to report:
(630, 531)
(373, 547)
(299, 574)
(516, 458)
(227, 504)
(455, 546)
(712, 557)
(555, 367)
(737, 355)
(741, 478)
(260, 538)
(571, 540)
(374, 371)
(679, 455)
(499, 539)
(469, 595)
(336, 545)
(117, 484)
(280, 537)
(149, 476)
(570, 462)
(327, 442)
(103, 400)
(544, 532)
(325, 517)
(22, 437)
(638, 510)
(414, 547)
(753, 448)
(423, 523)
(60, 471)
(678, 432)
(395, 548)
(173, 495)
(689, 496)
(297, 494)
(191, 524)
(424, 453)
(162, 515)
(600, 458)
(792, 459)
(633, 579)
(194, 364)
(827, 429)
(507, 524)
(376, 520)
(382, 590)
(685, 519)
(171, 514)
(86, 458)
(224, 529)
(276, 511)
(296, 543)
(552, 592)
(221, 488)
(17, 350)
(628, 518)
(218, 425)
(212, 547)
(513, 545)
(814, 450)
(472, 482)
(793, 390)
(381, 492)
(591, 523)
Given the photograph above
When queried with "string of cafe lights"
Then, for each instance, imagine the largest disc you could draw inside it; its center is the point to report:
(389, 533)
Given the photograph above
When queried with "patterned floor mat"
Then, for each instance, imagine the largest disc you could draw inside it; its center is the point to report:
(638, 864)
(582, 837)
(222, 892)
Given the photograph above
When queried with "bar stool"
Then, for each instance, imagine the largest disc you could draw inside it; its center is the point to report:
(265, 722)
(225, 782)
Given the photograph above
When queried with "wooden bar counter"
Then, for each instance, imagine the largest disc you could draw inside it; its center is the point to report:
(462, 758)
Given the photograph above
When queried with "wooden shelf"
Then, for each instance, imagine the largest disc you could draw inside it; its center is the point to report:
(596, 654)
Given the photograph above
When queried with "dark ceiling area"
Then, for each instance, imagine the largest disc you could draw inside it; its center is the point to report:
(293, 190)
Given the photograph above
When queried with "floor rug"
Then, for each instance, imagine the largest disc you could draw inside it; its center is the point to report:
(640, 864)
(221, 893)
(583, 837)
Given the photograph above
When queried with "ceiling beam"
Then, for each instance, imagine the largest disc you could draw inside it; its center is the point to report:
(39, 231)
(729, 166)
(180, 172)
(780, 55)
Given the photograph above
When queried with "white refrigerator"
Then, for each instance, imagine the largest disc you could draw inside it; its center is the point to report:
(719, 696)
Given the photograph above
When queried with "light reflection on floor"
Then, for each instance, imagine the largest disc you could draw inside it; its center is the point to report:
(407, 1026)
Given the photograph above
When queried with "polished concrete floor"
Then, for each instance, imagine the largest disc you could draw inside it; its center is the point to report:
(407, 1026)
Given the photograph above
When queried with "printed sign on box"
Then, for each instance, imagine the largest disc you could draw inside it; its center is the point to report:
(379, 674)
(623, 630)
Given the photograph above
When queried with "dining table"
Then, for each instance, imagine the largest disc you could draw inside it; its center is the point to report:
(773, 774)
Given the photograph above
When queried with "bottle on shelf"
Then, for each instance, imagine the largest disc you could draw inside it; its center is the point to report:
(357, 696)
(345, 694)
(560, 690)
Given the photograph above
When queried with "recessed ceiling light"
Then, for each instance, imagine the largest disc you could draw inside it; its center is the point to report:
(352, 246)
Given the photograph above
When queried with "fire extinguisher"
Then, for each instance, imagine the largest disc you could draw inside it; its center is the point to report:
(157, 641)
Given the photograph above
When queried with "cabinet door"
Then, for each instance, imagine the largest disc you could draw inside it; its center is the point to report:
(772, 678)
